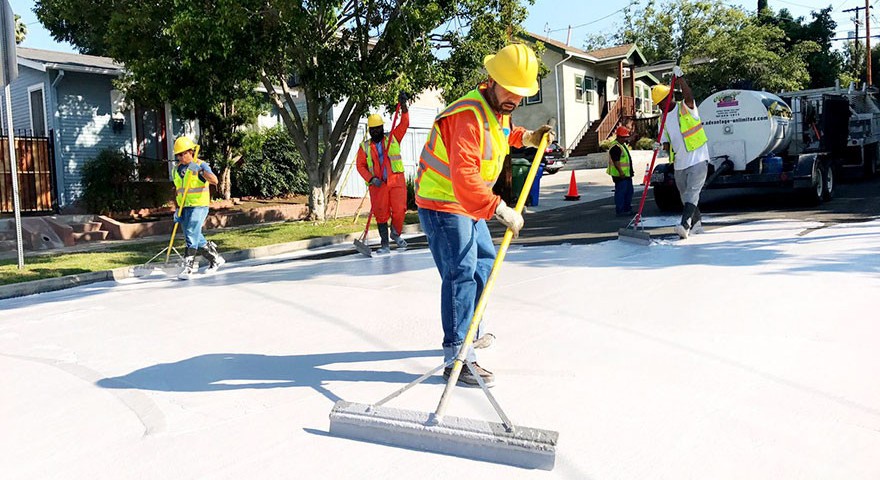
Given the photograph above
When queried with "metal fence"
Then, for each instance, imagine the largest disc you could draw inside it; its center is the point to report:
(35, 158)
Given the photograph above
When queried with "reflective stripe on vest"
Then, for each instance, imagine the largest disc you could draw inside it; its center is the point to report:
(433, 181)
(393, 152)
(691, 129)
(625, 163)
(199, 193)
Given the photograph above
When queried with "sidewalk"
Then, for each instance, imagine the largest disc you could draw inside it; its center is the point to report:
(592, 183)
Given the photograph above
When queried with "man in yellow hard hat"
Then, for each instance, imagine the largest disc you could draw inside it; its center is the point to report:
(192, 178)
(458, 166)
(380, 164)
(687, 144)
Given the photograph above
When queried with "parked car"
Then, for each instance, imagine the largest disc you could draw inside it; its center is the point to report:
(553, 159)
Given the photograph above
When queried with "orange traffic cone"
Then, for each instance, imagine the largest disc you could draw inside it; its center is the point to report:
(573, 189)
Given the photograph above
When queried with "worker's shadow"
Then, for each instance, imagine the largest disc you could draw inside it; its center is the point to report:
(234, 371)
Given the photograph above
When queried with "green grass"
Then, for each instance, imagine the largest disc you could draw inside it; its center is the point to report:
(51, 266)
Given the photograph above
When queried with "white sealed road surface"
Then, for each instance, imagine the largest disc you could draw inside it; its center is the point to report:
(750, 352)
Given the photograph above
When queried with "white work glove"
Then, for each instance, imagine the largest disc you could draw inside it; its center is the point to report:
(677, 71)
(509, 217)
(658, 146)
(532, 138)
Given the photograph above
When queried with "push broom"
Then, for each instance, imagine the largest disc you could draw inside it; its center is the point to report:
(437, 432)
(631, 233)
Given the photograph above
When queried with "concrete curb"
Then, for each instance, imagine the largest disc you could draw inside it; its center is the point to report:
(46, 285)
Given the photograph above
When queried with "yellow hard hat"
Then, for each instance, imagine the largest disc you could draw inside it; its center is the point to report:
(375, 120)
(514, 67)
(658, 93)
(183, 144)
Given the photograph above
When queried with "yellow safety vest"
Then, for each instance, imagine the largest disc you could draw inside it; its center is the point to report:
(434, 178)
(198, 195)
(393, 154)
(625, 163)
(691, 129)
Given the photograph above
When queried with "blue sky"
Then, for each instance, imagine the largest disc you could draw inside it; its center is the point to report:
(555, 14)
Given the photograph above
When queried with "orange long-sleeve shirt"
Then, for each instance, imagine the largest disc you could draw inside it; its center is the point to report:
(461, 136)
(398, 132)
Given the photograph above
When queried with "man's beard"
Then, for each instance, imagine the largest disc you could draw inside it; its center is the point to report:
(492, 99)
(377, 137)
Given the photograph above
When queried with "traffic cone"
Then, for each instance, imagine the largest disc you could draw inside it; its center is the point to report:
(572, 189)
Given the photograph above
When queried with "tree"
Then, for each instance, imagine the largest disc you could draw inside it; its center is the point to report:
(718, 45)
(823, 64)
(323, 63)
(20, 30)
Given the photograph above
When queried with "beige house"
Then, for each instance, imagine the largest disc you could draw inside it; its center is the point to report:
(588, 93)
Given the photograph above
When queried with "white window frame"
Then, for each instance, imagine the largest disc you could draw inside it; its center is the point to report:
(539, 95)
(588, 92)
(579, 85)
(42, 89)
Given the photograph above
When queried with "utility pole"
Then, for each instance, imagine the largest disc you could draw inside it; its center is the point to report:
(868, 39)
(867, 9)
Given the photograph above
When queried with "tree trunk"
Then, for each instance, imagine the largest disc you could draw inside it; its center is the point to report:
(224, 187)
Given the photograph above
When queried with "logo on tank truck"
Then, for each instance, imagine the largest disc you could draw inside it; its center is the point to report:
(728, 99)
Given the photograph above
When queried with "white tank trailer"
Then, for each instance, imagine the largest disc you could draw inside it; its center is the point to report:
(750, 144)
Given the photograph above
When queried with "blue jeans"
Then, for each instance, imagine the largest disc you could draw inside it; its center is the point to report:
(463, 252)
(623, 194)
(192, 219)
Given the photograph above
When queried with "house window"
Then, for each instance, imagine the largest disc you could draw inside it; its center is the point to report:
(536, 98)
(579, 88)
(37, 110)
(588, 89)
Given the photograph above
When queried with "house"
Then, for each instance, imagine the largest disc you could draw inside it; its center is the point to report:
(423, 109)
(588, 93)
(65, 110)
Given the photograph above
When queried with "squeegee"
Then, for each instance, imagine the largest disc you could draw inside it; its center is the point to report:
(499, 442)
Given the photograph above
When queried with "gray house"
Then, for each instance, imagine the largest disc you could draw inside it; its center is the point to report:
(65, 110)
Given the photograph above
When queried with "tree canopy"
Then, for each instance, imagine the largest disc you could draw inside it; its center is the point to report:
(722, 46)
(323, 63)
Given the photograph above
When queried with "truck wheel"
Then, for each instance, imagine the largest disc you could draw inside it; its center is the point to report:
(827, 182)
(667, 198)
(813, 195)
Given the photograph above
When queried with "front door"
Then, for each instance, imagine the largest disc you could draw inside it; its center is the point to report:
(152, 141)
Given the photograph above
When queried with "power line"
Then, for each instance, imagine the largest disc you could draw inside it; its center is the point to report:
(588, 23)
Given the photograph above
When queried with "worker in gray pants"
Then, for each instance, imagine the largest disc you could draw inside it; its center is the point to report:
(688, 151)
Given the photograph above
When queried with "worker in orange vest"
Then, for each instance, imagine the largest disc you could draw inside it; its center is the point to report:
(380, 164)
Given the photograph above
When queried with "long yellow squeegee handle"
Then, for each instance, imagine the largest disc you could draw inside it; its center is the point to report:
(490, 283)
(180, 207)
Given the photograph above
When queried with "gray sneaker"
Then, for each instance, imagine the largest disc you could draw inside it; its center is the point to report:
(681, 231)
(467, 378)
(485, 341)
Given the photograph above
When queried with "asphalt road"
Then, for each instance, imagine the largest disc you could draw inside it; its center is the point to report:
(591, 222)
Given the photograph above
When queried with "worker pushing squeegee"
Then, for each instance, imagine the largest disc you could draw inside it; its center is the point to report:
(681, 128)
(461, 161)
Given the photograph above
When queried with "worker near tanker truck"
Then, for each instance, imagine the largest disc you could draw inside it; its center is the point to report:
(688, 150)
(192, 178)
(459, 164)
(380, 164)
(621, 171)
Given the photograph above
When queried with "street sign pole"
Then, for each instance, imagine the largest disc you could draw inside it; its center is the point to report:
(13, 163)
(8, 73)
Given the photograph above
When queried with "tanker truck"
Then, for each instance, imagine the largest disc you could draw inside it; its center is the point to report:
(751, 144)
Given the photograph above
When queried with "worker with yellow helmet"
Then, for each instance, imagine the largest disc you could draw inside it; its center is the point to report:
(458, 166)
(380, 163)
(686, 141)
(192, 180)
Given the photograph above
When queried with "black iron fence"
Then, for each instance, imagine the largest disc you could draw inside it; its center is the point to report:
(35, 159)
